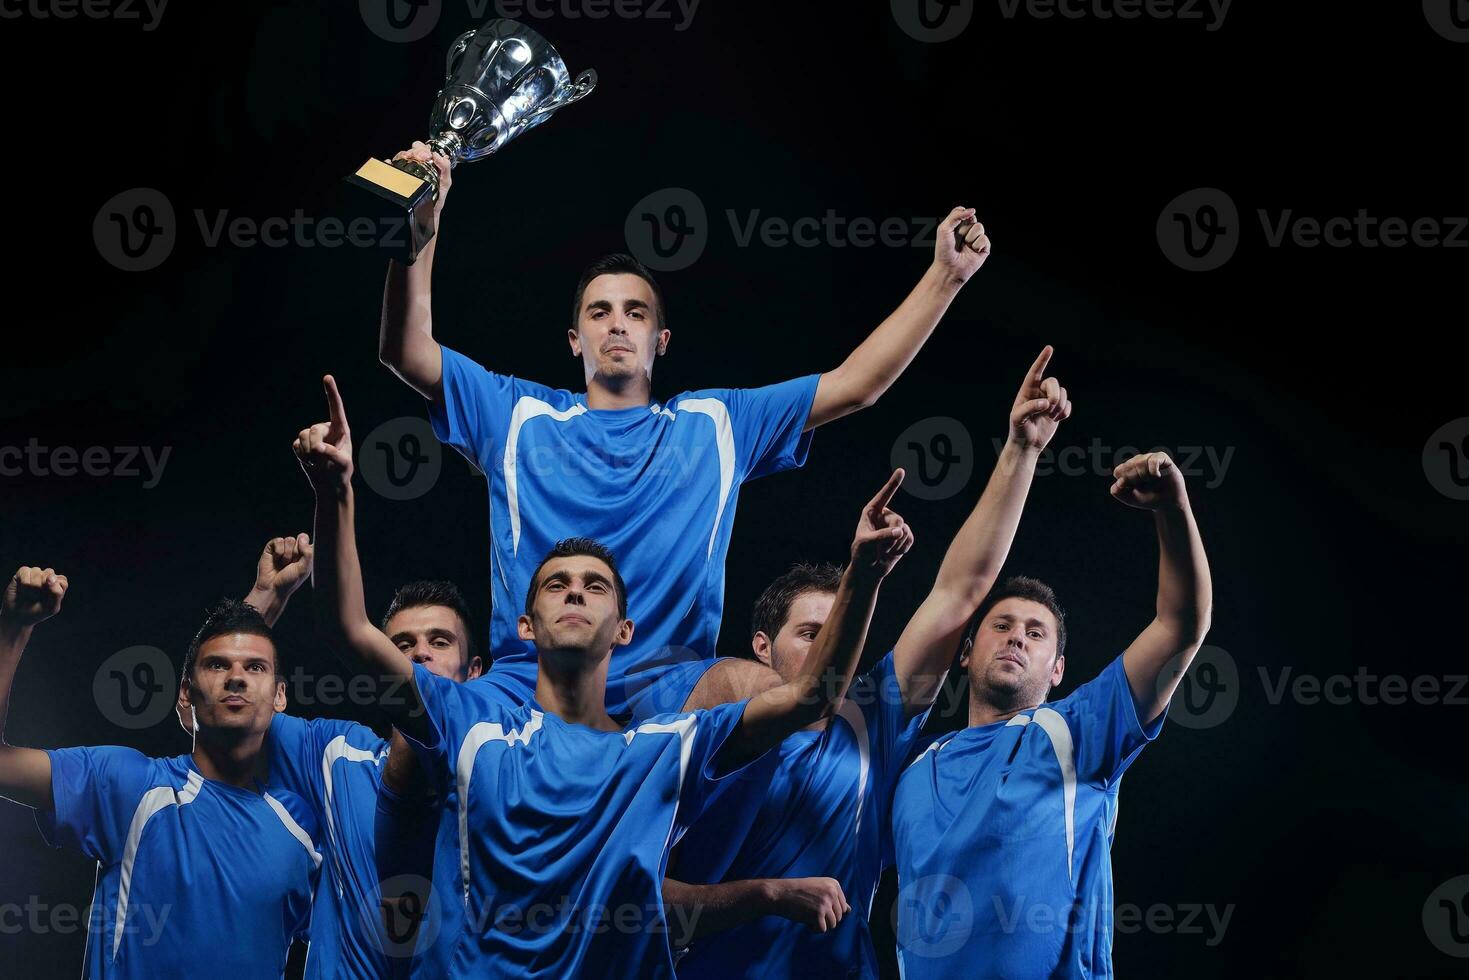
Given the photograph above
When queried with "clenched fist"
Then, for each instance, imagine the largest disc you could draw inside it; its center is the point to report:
(1149, 481)
(32, 596)
(962, 245)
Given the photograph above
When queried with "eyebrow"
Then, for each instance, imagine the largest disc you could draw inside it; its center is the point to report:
(809, 624)
(587, 578)
(627, 304)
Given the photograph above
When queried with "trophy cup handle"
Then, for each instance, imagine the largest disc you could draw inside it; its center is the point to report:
(574, 92)
(456, 50)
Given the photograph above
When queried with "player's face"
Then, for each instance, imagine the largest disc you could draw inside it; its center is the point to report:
(436, 637)
(1014, 653)
(233, 685)
(575, 608)
(617, 334)
(788, 650)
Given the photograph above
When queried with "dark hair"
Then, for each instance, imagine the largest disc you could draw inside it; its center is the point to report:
(567, 547)
(616, 264)
(226, 618)
(434, 592)
(773, 607)
(1023, 587)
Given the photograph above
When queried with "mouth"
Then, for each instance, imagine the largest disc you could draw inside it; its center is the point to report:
(1010, 658)
(574, 618)
(618, 350)
(233, 700)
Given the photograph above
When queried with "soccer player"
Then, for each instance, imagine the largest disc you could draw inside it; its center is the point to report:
(820, 842)
(657, 483)
(1003, 830)
(200, 867)
(342, 770)
(557, 817)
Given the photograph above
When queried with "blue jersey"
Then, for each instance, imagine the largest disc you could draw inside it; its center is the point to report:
(190, 870)
(553, 838)
(824, 815)
(336, 767)
(657, 484)
(1003, 837)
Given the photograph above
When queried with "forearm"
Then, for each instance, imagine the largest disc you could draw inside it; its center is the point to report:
(406, 339)
(268, 603)
(1185, 589)
(700, 910)
(815, 692)
(25, 774)
(337, 580)
(13, 640)
(979, 550)
(877, 362)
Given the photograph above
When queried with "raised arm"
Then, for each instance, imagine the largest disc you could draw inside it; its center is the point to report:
(284, 565)
(1151, 481)
(700, 910)
(977, 553)
(882, 539)
(325, 452)
(32, 595)
(406, 338)
(960, 249)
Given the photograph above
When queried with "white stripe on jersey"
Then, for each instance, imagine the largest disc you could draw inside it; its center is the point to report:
(154, 800)
(852, 715)
(1059, 732)
(724, 439)
(525, 409)
(479, 735)
(294, 828)
(336, 749)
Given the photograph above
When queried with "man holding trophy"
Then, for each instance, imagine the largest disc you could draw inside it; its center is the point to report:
(656, 482)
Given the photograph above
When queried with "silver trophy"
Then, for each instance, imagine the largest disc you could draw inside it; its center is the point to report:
(500, 81)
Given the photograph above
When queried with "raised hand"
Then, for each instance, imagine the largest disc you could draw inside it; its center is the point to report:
(816, 903)
(962, 245)
(284, 565)
(1149, 481)
(883, 537)
(325, 449)
(31, 596)
(1040, 406)
(420, 152)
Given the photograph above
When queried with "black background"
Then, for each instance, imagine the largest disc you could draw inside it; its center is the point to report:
(1324, 370)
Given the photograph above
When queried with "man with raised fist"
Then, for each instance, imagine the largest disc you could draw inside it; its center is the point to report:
(655, 482)
(201, 867)
(1003, 830)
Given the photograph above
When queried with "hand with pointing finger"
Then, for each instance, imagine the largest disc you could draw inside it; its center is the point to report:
(325, 449)
(883, 537)
(1040, 406)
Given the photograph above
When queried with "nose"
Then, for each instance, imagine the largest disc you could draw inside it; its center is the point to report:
(420, 655)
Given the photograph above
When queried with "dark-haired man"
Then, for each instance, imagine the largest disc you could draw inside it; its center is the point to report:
(558, 818)
(657, 483)
(200, 867)
(358, 790)
(822, 829)
(1003, 830)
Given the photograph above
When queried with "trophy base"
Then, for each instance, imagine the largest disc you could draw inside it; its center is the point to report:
(400, 205)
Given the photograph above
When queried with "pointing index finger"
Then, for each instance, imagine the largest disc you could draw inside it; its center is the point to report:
(337, 412)
(1038, 369)
(884, 496)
